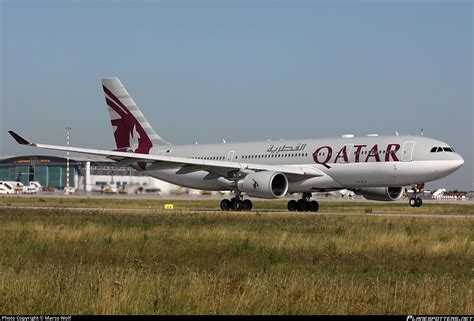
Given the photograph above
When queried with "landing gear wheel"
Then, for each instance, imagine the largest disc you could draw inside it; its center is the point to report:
(225, 205)
(292, 206)
(412, 202)
(303, 205)
(237, 205)
(313, 206)
(418, 202)
(247, 205)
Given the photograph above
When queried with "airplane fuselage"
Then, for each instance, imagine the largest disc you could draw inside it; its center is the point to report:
(355, 162)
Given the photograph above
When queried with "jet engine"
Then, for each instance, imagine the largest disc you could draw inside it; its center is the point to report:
(264, 184)
(381, 193)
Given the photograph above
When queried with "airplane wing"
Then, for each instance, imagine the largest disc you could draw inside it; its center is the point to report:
(187, 165)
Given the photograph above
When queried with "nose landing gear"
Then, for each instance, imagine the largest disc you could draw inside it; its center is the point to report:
(304, 204)
(416, 201)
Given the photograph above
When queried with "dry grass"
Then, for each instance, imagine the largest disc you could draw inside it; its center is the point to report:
(139, 262)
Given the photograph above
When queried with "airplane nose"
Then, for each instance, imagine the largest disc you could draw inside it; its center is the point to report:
(450, 166)
(459, 161)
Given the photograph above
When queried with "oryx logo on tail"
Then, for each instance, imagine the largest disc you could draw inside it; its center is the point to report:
(131, 130)
(129, 134)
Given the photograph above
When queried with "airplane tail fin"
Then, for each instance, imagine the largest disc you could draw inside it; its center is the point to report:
(131, 129)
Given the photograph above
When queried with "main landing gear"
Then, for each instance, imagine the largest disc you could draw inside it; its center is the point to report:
(304, 204)
(416, 201)
(236, 204)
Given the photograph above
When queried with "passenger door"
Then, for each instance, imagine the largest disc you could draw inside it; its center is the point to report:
(230, 156)
(407, 152)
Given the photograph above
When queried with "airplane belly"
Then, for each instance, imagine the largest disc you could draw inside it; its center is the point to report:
(419, 172)
(195, 180)
(384, 174)
(339, 176)
(365, 174)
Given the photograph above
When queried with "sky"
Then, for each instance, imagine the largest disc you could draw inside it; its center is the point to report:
(240, 70)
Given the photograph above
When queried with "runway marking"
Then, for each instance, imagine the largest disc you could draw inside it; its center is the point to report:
(214, 211)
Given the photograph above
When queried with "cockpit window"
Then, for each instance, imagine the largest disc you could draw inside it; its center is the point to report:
(440, 149)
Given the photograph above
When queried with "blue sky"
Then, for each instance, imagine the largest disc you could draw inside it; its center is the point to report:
(241, 70)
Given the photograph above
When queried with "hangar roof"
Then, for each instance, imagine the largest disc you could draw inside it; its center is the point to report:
(49, 160)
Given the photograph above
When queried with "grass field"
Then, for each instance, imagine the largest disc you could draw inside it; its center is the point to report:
(55, 261)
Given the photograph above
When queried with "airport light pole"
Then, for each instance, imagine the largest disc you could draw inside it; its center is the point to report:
(68, 131)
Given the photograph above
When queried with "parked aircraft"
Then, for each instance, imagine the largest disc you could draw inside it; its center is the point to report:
(375, 166)
(7, 188)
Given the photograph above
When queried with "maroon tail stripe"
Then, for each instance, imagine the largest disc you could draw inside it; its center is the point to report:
(117, 101)
(125, 125)
(122, 115)
(116, 108)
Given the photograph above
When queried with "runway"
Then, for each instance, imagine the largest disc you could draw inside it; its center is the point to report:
(214, 211)
(217, 197)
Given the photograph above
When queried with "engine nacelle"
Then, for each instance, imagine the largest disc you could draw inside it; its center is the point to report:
(381, 193)
(264, 184)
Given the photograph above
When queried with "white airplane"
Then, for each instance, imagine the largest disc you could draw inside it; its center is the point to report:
(18, 186)
(7, 188)
(375, 166)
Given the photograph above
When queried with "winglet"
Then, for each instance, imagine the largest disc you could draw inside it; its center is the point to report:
(20, 140)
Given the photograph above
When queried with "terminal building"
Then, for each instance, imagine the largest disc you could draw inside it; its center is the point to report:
(49, 171)
(84, 174)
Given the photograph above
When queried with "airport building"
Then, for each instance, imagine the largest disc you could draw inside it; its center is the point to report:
(50, 171)
(84, 174)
